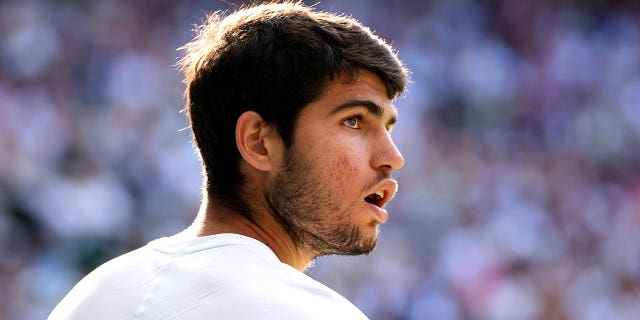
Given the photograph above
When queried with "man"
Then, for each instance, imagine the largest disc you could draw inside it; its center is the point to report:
(291, 111)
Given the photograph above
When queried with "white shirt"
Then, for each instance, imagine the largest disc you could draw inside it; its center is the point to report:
(224, 276)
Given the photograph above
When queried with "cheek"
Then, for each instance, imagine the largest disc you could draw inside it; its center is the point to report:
(344, 170)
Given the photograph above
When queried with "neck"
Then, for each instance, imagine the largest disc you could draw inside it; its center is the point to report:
(215, 219)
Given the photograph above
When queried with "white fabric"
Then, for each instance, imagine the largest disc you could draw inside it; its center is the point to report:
(224, 276)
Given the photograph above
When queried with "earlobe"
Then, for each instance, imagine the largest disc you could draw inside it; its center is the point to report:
(253, 138)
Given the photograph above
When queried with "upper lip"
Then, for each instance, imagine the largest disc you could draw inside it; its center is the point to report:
(389, 187)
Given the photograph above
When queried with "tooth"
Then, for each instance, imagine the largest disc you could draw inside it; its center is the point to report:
(381, 194)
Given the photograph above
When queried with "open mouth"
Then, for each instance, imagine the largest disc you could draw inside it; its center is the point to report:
(375, 198)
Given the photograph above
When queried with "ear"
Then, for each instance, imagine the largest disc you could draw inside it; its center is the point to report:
(258, 141)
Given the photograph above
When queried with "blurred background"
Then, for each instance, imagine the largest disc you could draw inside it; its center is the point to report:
(519, 199)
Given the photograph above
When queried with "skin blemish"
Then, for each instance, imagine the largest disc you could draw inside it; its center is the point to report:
(344, 169)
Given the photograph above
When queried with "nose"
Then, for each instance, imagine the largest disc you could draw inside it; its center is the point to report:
(387, 157)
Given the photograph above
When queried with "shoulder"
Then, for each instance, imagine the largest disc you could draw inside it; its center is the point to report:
(277, 292)
(231, 280)
(273, 297)
(249, 283)
(113, 286)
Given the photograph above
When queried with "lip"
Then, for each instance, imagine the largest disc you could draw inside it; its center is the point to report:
(389, 187)
(380, 214)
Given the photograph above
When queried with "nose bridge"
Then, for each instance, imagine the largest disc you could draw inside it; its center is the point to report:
(387, 156)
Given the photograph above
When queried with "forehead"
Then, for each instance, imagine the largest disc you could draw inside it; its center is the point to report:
(363, 86)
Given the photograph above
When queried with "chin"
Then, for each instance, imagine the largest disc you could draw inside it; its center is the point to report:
(361, 245)
(366, 240)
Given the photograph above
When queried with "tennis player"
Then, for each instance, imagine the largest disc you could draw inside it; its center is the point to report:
(291, 111)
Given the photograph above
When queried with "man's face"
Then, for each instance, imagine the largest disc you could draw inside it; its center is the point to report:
(335, 179)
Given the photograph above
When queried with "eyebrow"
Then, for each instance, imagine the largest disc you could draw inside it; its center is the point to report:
(371, 106)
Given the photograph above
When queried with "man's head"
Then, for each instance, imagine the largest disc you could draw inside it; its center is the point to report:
(330, 188)
(273, 59)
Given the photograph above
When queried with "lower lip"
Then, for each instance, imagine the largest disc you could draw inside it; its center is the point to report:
(379, 214)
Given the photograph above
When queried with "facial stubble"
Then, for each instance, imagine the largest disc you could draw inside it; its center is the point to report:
(306, 204)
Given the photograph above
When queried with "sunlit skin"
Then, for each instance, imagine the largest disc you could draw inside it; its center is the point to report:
(309, 200)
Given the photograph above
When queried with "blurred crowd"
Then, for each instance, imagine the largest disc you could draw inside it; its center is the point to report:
(519, 199)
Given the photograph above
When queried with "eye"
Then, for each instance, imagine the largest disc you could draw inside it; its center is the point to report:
(353, 122)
